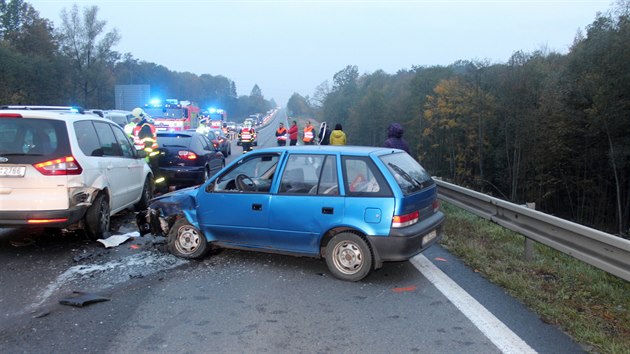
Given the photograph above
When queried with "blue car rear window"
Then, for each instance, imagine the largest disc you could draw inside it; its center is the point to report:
(410, 176)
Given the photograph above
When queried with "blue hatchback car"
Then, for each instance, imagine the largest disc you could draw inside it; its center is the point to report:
(357, 207)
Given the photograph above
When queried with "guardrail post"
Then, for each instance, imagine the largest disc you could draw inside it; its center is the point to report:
(529, 243)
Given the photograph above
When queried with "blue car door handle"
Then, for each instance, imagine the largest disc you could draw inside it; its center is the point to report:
(328, 210)
(257, 207)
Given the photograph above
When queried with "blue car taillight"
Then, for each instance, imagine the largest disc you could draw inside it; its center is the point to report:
(399, 221)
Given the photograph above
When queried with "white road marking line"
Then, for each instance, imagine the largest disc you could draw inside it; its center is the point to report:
(498, 333)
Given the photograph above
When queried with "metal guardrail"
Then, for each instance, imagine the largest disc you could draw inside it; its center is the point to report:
(599, 249)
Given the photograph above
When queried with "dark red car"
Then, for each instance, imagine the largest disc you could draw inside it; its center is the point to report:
(220, 142)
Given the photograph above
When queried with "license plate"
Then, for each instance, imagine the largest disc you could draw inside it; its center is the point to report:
(12, 171)
(429, 237)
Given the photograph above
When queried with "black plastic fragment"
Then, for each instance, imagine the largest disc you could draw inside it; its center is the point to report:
(81, 299)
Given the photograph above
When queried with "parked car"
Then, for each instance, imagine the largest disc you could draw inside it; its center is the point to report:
(357, 207)
(63, 169)
(220, 141)
(119, 116)
(231, 126)
(187, 158)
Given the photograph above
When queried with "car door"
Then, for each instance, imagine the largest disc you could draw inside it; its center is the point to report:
(307, 203)
(214, 157)
(369, 203)
(239, 217)
(135, 166)
(114, 166)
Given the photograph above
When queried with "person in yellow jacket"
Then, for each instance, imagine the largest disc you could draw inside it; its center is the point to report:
(338, 137)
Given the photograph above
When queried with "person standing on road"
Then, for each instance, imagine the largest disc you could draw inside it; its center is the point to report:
(293, 133)
(145, 138)
(247, 135)
(281, 135)
(324, 134)
(394, 138)
(338, 137)
(309, 134)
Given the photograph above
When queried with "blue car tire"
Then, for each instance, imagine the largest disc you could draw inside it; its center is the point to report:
(186, 241)
(349, 257)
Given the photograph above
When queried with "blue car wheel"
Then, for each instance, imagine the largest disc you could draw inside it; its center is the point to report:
(348, 257)
(186, 241)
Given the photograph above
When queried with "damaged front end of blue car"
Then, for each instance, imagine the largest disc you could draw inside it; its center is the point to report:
(165, 210)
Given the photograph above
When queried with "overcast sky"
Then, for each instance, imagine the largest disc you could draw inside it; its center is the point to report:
(293, 46)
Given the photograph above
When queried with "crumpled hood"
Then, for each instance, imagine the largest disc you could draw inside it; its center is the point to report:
(395, 131)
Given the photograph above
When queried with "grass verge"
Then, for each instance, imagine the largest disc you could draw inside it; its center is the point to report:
(587, 303)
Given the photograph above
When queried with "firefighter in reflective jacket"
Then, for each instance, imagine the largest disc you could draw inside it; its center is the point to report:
(281, 135)
(145, 138)
(203, 126)
(246, 136)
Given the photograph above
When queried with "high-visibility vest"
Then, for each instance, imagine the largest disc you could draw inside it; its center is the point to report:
(281, 134)
(147, 143)
(246, 134)
(203, 129)
(308, 134)
(129, 127)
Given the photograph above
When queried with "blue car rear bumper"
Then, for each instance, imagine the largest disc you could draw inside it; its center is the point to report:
(404, 243)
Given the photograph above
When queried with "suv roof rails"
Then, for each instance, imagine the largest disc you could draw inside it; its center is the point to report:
(45, 108)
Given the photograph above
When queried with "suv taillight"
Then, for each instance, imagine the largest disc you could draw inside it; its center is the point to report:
(10, 115)
(59, 167)
(405, 220)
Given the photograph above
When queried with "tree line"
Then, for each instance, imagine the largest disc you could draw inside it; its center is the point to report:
(544, 127)
(75, 64)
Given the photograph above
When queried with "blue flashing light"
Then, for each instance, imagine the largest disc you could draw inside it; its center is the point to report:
(212, 110)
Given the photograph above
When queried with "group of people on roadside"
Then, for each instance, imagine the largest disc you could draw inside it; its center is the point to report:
(335, 137)
(309, 135)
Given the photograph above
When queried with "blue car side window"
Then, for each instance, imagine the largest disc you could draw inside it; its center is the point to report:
(301, 174)
(252, 174)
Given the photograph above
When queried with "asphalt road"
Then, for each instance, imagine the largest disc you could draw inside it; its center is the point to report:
(237, 301)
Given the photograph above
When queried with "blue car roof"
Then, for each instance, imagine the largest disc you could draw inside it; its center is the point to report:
(344, 149)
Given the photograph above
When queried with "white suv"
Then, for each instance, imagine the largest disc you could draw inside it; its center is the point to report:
(67, 170)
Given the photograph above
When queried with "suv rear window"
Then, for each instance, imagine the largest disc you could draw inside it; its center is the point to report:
(410, 176)
(27, 140)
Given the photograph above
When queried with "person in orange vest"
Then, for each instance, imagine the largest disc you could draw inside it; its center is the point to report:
(281, 135)
(309, 134)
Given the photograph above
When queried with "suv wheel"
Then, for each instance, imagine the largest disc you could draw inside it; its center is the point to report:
(348, 257)
(97, 218)
(185, 241)
(147, 194)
